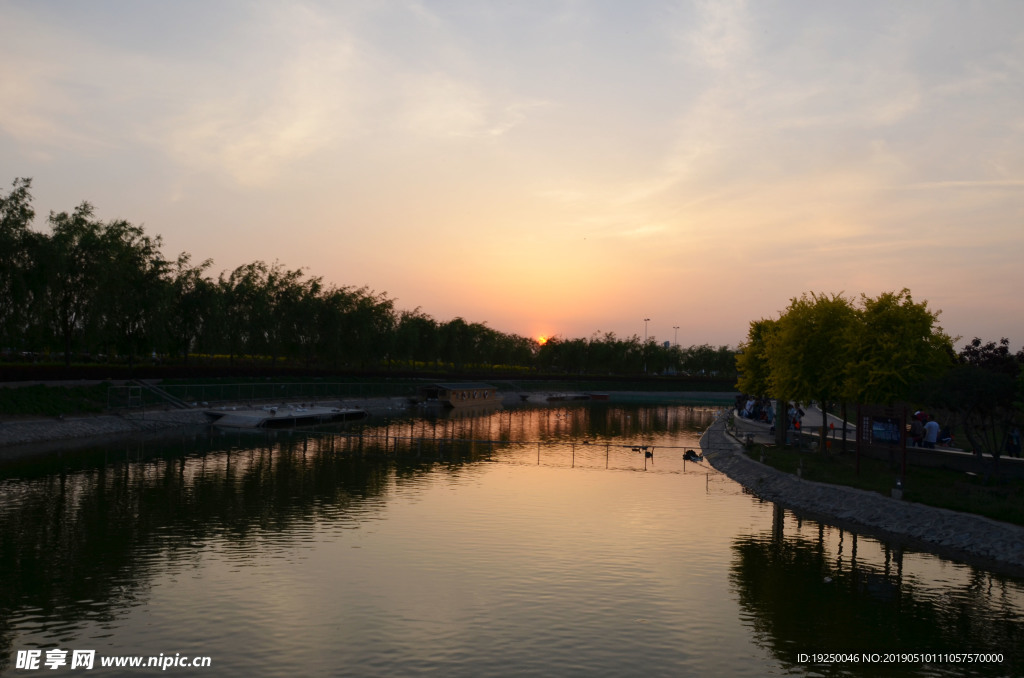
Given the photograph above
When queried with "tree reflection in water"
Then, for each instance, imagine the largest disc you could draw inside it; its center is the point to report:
(837, 592)
(84, 533)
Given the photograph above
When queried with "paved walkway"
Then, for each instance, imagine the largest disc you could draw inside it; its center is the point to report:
(957, 535)
(811, 423)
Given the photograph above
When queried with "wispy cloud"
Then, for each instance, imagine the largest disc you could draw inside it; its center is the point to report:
(1007, 184)
(703, 140)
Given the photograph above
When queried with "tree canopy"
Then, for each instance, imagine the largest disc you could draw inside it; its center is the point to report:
(982, 392)
(828, 349)
(897, 345)
(95, 290)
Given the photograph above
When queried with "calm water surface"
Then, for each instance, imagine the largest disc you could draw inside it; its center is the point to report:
(550, 546)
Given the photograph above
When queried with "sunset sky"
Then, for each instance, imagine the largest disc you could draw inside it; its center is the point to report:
(555, 168)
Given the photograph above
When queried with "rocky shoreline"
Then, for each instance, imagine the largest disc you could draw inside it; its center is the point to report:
(31, 437)
(961, 536)
(22, 437)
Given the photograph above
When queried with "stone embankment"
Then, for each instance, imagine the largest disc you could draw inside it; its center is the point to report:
(22, 437)
(27, 437)
(949, 533)
(30, 436)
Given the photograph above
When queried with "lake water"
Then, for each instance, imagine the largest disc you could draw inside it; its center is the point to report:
(553, 545)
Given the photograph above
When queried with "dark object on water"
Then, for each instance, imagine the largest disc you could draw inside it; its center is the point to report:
(690, 455)
(280, 417)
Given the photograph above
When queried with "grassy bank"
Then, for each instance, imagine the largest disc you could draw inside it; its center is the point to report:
(996, 498)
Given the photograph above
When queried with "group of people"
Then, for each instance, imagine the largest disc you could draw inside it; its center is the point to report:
(756, 409)
(926, 432)
(761, 409)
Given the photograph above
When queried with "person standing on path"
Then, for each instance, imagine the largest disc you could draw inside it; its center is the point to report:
(917, 429)
(931, 432)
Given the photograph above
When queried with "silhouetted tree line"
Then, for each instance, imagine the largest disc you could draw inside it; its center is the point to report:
(608, 353)
(92, 290)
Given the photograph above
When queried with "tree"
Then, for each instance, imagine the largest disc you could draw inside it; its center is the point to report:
(72, 258)
(132, 289)
(244, 309)
(896, 346)
(303, 315)
(982, 390)
(284, 330)
(335, 303)
(371, 322)
(456, 342)
(754, 370)
(808, 351)
(415, 337)
(752, 361)
(191, 305)
(17, 245)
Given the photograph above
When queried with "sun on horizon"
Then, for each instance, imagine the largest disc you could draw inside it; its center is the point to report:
(542, 340)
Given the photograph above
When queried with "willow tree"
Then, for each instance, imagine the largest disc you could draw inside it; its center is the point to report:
(74, 268)
(416, 337)
(132, 292)
(243, 309)
(191, 306)
(809, 350)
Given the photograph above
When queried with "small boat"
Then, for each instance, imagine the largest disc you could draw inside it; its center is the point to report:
(690, 455)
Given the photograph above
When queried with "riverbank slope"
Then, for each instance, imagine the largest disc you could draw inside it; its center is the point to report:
(960, 536)
(31, 436)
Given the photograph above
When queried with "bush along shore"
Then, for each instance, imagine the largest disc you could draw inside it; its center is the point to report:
(963, 536)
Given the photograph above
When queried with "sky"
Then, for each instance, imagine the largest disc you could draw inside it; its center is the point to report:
(549, 168)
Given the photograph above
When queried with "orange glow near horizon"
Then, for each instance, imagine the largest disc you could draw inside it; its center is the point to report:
(434, 142)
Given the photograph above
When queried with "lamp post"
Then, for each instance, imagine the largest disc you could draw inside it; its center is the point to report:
(676, 328)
